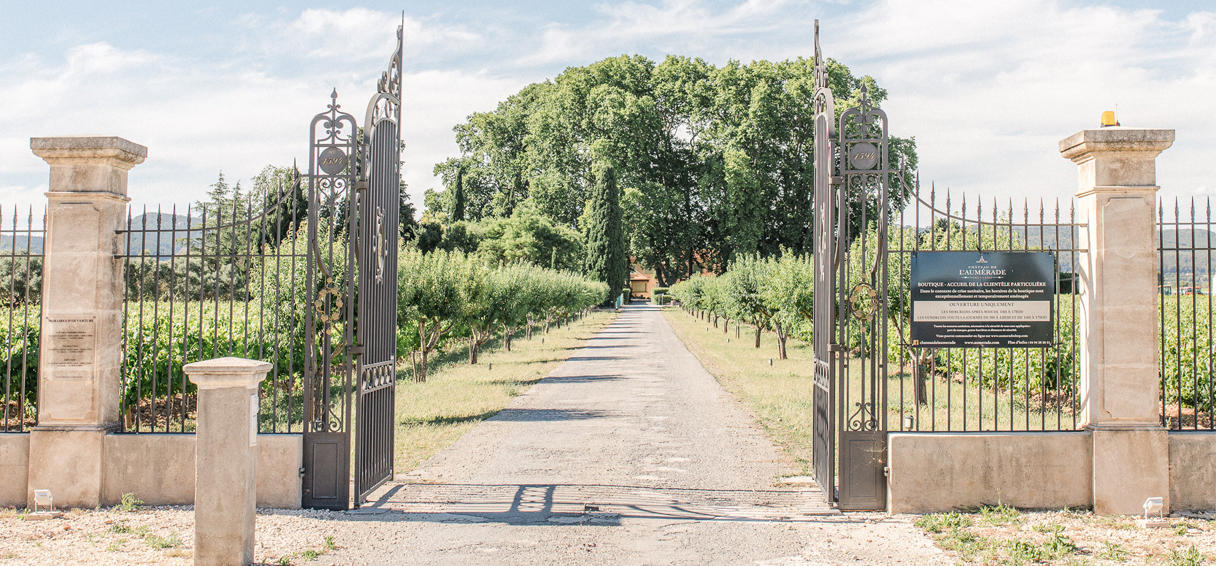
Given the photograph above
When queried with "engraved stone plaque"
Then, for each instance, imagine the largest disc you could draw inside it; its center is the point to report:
(71, 345)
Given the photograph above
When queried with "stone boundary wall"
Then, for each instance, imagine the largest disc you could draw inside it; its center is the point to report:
(14, 468)
(1192, 473)
(936, 472)
(931, 472)
(159, 469)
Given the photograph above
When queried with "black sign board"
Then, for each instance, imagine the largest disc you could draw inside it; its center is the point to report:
(983, 299)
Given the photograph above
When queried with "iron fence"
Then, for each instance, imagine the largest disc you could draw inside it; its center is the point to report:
(982, 389)
(221, 278)
(1184, 304)
(22, 235)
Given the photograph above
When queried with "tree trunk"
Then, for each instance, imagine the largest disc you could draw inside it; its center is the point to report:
(725, 325)
(757, 336)
(920, 376)
(473, 349)
(506, 338)
(715, 321)
(421, 375)
(781, 336)
(529, 331)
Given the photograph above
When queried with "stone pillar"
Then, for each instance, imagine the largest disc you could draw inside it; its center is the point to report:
(78, 372)
(225, 460)
(1119, 385)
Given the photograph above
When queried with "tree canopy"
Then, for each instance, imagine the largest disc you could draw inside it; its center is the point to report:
(713, 163)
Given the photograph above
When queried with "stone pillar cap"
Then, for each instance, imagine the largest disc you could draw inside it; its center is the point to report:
(1116, 138)
(226, 372)
(89, 147)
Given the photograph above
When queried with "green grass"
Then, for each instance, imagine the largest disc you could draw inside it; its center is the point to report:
(779, 392)
(457, 396)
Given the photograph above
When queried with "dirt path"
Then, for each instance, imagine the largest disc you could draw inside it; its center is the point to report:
(628, 453)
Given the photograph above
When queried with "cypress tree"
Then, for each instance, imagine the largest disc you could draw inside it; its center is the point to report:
(458, 197)
(606, 259)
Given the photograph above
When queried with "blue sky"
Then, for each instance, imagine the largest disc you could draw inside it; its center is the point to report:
(988, 88)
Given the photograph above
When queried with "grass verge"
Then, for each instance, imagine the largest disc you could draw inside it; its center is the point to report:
(457, 396)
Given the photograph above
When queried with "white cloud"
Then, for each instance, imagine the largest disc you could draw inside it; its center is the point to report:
(989, 90)
(356, 34)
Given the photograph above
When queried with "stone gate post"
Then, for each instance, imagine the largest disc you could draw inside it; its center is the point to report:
(1118, 386)
(225, 459)
(78, 371)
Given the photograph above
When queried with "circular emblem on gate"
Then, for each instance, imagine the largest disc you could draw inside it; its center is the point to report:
(863, 302)
(333, 161)
(863, 156)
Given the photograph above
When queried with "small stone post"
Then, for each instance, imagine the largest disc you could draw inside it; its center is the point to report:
(1118, 386)
(225, 461)
(78, 375)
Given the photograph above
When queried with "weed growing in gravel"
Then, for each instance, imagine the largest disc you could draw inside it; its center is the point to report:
(116, 546)
(1021, 551)
(1059, 546)
(308, 554)
(1000, 514)
(1112, 551)
(160, 543)
(128, 503)
(968, 545)
(120, 528)
(938, 522)
(1188, 557)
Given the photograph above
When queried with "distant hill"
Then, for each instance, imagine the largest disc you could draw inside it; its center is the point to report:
(21, 243)
(158, 239)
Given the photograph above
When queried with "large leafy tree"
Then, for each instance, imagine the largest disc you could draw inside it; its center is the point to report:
(713, 162)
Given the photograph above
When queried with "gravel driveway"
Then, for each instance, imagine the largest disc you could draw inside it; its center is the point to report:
(628, 453)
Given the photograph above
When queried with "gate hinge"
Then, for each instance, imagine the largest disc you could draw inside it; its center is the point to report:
(361, 185)
(835, 180)
(886, 471)
(301, 471)
(357, 350)
(835, 348)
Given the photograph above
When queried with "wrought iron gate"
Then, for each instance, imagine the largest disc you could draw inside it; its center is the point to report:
(850, 334)
(378, 210)
(351, 310)
(823, 453)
